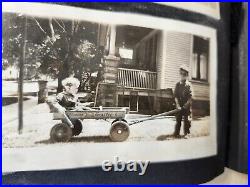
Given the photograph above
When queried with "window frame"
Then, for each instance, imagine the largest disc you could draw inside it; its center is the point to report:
(195, 79)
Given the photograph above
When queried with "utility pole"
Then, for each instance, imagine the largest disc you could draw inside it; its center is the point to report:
(20, 80)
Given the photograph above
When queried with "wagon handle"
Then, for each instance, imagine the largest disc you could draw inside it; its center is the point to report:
(155, 116)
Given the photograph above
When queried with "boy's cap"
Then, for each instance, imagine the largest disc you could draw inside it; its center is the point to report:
(183, 67)
(71, 81)
(69, 84)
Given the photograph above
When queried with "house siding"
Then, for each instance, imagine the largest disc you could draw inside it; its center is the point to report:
(200, 91)
(178, 52)
(177, 48)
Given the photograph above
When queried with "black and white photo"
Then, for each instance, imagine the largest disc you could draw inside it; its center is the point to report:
(132, 86)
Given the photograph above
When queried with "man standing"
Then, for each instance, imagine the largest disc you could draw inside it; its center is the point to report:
(183, 99)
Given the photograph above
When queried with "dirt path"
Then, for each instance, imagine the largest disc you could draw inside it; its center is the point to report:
(10, 112)
(38, 123)
(33, 150)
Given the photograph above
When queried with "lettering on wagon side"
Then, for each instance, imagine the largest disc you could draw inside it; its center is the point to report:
(95, 115)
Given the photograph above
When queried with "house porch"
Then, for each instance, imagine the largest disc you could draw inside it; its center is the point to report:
(141, 68)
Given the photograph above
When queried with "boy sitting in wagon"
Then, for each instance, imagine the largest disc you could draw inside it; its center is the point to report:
(68, 100)
(72, 126)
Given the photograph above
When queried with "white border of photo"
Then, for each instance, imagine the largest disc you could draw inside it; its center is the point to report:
(45, 158)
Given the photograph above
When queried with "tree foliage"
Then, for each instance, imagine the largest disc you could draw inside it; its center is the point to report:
(57, 47)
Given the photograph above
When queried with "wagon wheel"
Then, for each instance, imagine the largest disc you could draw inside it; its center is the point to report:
(119, 119)
(60, 133)
(77, 129)
(119, 131)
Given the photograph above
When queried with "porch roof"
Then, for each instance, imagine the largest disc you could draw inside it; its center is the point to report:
(130, 35)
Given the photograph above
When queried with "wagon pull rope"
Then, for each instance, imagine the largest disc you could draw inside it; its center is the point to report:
(155, 116)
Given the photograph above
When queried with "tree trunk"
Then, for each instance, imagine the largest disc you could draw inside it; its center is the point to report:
(64, 73)
(67, 67)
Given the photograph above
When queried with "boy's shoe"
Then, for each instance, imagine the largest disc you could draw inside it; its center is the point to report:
(176, 136)
(187, 136)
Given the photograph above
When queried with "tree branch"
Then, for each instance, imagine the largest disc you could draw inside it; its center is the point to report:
(63, 25)
(60, 25)
(38, 24)
(72, 27)
(52, 29)
(76, 26)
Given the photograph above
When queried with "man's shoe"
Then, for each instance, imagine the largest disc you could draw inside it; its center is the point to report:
(176, 136)
(187, 136)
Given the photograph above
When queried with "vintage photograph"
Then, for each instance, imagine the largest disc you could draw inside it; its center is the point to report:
(87, 84)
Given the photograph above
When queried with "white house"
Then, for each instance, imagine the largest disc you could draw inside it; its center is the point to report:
(142, 68)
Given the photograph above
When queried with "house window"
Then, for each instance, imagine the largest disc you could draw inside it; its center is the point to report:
(146, 54)
(200, 60)
(126, 54)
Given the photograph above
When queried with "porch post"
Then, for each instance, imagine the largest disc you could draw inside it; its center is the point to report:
(112, 40)
(111, 64)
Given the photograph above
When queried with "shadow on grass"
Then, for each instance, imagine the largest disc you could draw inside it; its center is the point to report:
(169, 137)
(11, 100)
(93, 139)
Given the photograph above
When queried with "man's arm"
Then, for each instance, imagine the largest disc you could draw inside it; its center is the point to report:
(175, 97)
(177, 103)
(189, 101)
(56, 104)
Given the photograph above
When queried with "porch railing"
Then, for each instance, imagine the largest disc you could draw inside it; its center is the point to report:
(134, 78)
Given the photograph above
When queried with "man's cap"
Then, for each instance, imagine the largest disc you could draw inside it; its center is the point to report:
(184, 67)
(71, 81)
